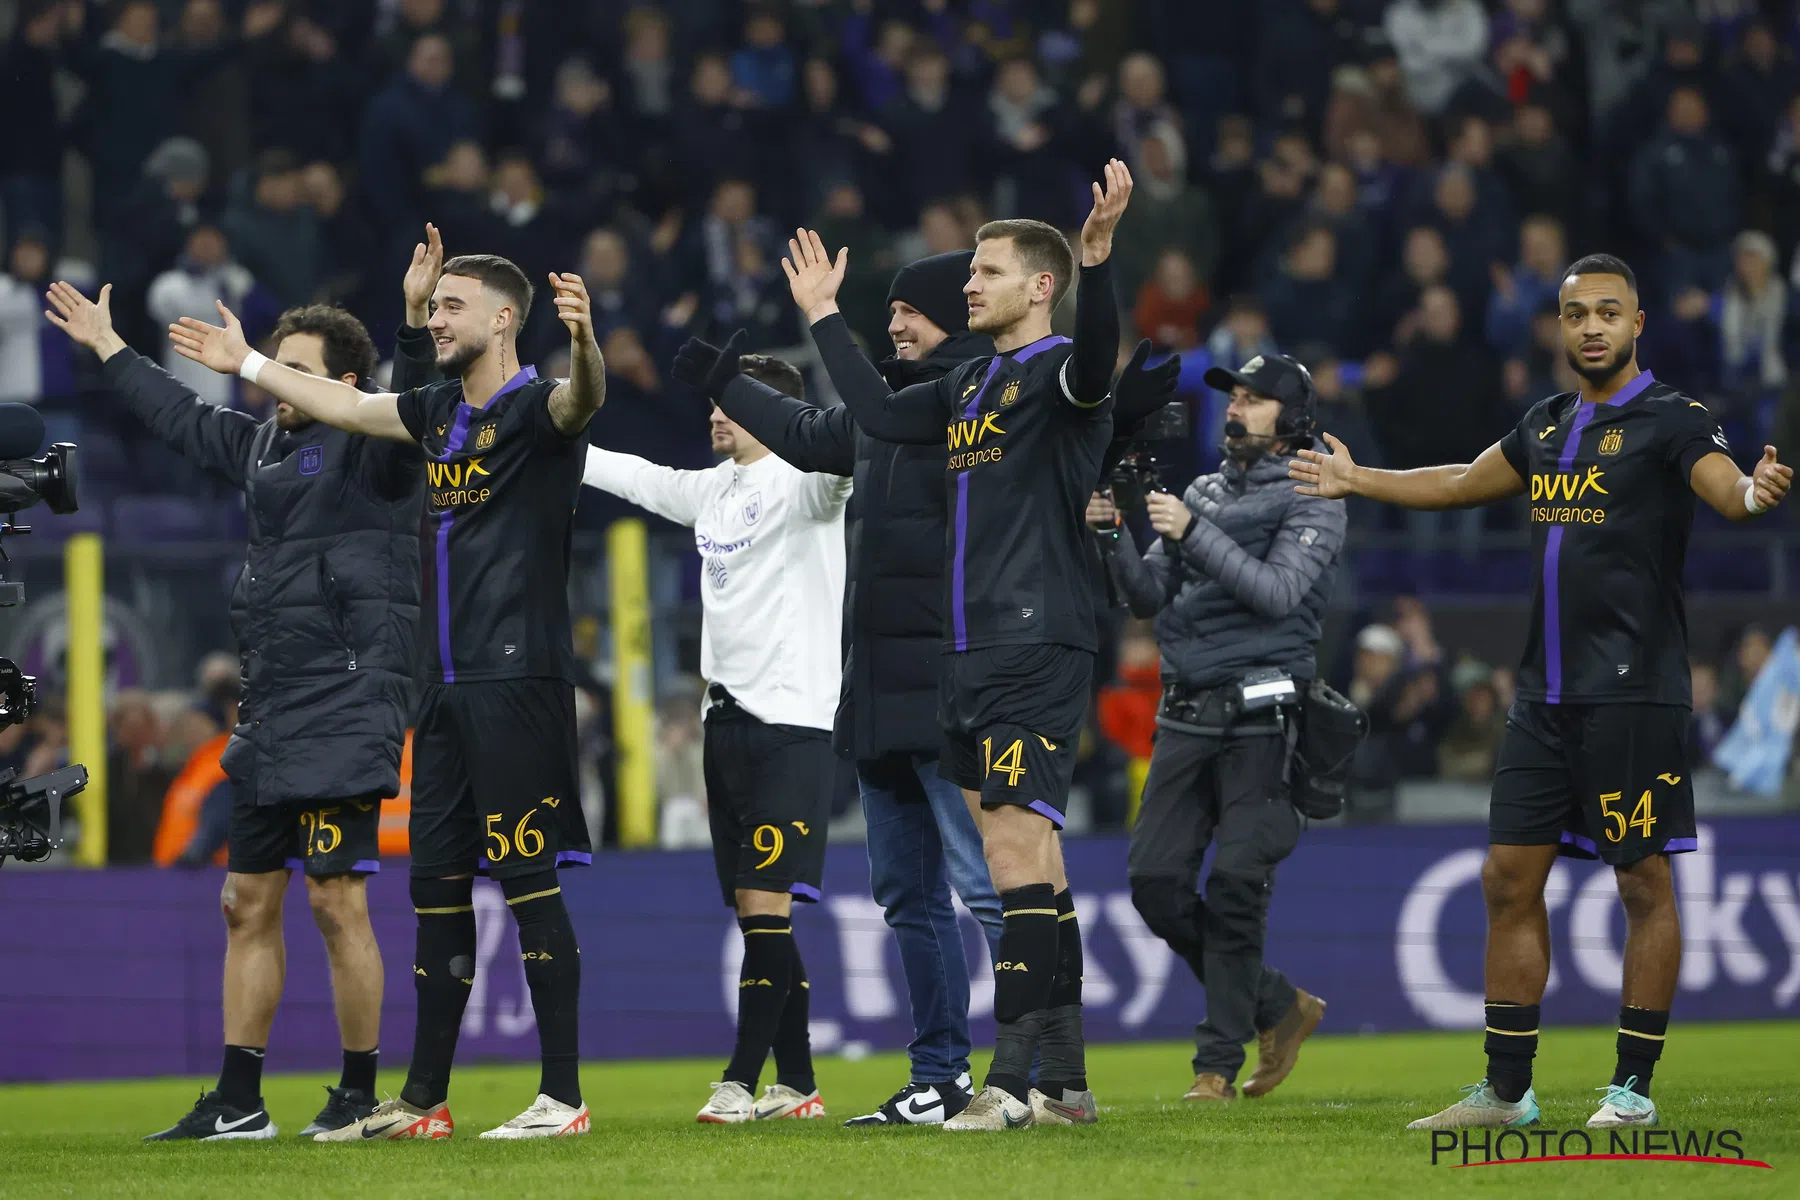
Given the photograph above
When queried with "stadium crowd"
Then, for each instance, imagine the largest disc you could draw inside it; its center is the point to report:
(1387, 189)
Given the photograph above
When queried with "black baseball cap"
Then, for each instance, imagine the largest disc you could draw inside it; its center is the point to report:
(1273, 375)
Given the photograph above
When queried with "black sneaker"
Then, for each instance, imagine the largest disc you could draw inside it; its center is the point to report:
(921, 1104)
(343, 1106)
(213, 1120)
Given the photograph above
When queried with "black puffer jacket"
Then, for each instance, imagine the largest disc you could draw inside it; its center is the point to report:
(325, 609)
(894, 527)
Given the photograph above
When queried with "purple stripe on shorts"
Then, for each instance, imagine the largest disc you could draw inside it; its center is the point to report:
(574, 858)
(1585, 845)
(1681, 845)
(805, 891)
(1045, 811)
(293, 864)
(1026, 353)
(366, 866)
(459, 431)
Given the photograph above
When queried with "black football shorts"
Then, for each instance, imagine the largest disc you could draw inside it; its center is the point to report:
(1606, 781)
(495, 788)
(768, 801)
(1012, 719)
(322, 837)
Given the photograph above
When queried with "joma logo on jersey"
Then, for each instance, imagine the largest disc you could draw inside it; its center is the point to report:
(972, 432)
(1611, 443)
(454, 475)
(1567, 486)
(485, 438)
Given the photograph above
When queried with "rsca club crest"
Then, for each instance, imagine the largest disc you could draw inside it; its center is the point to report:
(1611, 443)
(311, 459)
(753, 509)
(1010, 394)
(485, 438)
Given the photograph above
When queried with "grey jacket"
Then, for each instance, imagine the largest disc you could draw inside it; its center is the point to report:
(1251, 579)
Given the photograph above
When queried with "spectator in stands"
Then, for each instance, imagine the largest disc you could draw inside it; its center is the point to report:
(1142, 104)
(1757, 87)
(1167, 212)
(1171, 305)
(1749, 651)
(1521, 292)
(1476, 235)
(647, 69)
(764, 68)
(1241, 336)
(1685, 196)
(459, 195)
(1233, 183)
(1621, 42)
(1708, 725)
(829, 143)
(204, 276)
(408, 126)
(581, 145)
(1424, 263)
(1372, 99)
(136, 778)
(218, 687)
(1029, 165)
(34, 355)
(1756, 320)
(1300, 50)
(680, 781)
(274, 232)
(305, 93)
(1537, 164)
(714, 136)
(1418, 424)
(415, 19)
(152, 226)
(619, 293)
(1781, 183)
(936, 142)
(31, 150)
(1307, 300)
(1530, 48)
(346, 243)
(1683, 64)
(1440, 44)
(863, 296)
(1337, 205)
(1542, 368)
(1469, 746)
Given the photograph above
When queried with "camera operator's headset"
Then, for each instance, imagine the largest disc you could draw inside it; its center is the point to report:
(1279, 377)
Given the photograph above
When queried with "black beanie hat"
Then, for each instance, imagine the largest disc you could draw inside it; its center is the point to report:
(934, 286)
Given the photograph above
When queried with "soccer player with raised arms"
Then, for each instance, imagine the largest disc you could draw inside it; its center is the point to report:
(494, 786)
(1594, 763)
(1026, 429)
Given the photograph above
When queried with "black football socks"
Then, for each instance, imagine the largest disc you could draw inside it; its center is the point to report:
(764, 981)
(240, 1078)
(1512, 1040)
(793, 1039)
(553, 973)
(443, 974)
(1641, 1034)
(1062, 1047)
(1025, 973)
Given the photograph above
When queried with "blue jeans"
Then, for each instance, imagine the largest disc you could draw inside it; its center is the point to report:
(917, 854)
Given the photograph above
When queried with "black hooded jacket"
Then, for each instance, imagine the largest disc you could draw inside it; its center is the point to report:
(894, 526)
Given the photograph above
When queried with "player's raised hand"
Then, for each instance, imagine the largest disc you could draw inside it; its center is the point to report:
(221, 348)
(422, 277)
(1770, 480)
(1322, 474)
(1109, 205)
(812, 276)
(87, 322)
(572, 306)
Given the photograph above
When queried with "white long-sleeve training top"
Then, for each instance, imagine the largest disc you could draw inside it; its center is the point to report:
(771, 541)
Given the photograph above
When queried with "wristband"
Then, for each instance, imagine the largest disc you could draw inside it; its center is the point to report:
(1750, 504)
(253, 365)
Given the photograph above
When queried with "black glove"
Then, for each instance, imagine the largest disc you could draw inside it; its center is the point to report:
(707, 368)
(1139, 392)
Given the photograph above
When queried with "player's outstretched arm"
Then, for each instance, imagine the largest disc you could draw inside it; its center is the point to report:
(915, 415)
(224, 349)
(801, 434)
(574, 403)
(217, 439)
(1735, 495)
(1097, 309)
(680, 496)
(1334, 475)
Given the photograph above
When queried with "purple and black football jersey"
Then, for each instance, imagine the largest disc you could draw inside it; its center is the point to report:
(1611, 510)
(494, 541)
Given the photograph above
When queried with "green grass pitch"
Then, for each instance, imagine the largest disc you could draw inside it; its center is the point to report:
(1334, 1129)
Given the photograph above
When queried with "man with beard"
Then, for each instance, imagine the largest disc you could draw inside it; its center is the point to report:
(1593, 763)
(1237, 582)
(494, 788)
(323, 613)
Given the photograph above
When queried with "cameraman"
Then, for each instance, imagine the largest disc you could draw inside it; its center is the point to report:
(1236, 581)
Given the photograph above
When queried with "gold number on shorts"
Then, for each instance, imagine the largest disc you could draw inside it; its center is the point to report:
(496, 838)
(524, 834)
(1008, 764)
(1607, 800)
(1641, 818)
(771, 844)
(322, 836)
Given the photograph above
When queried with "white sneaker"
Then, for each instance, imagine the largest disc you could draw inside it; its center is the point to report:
(1481, 1108)
(779, 1100)
(1623, 1107)
(731, 1104)
(546, 1118)
(993, 1109)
